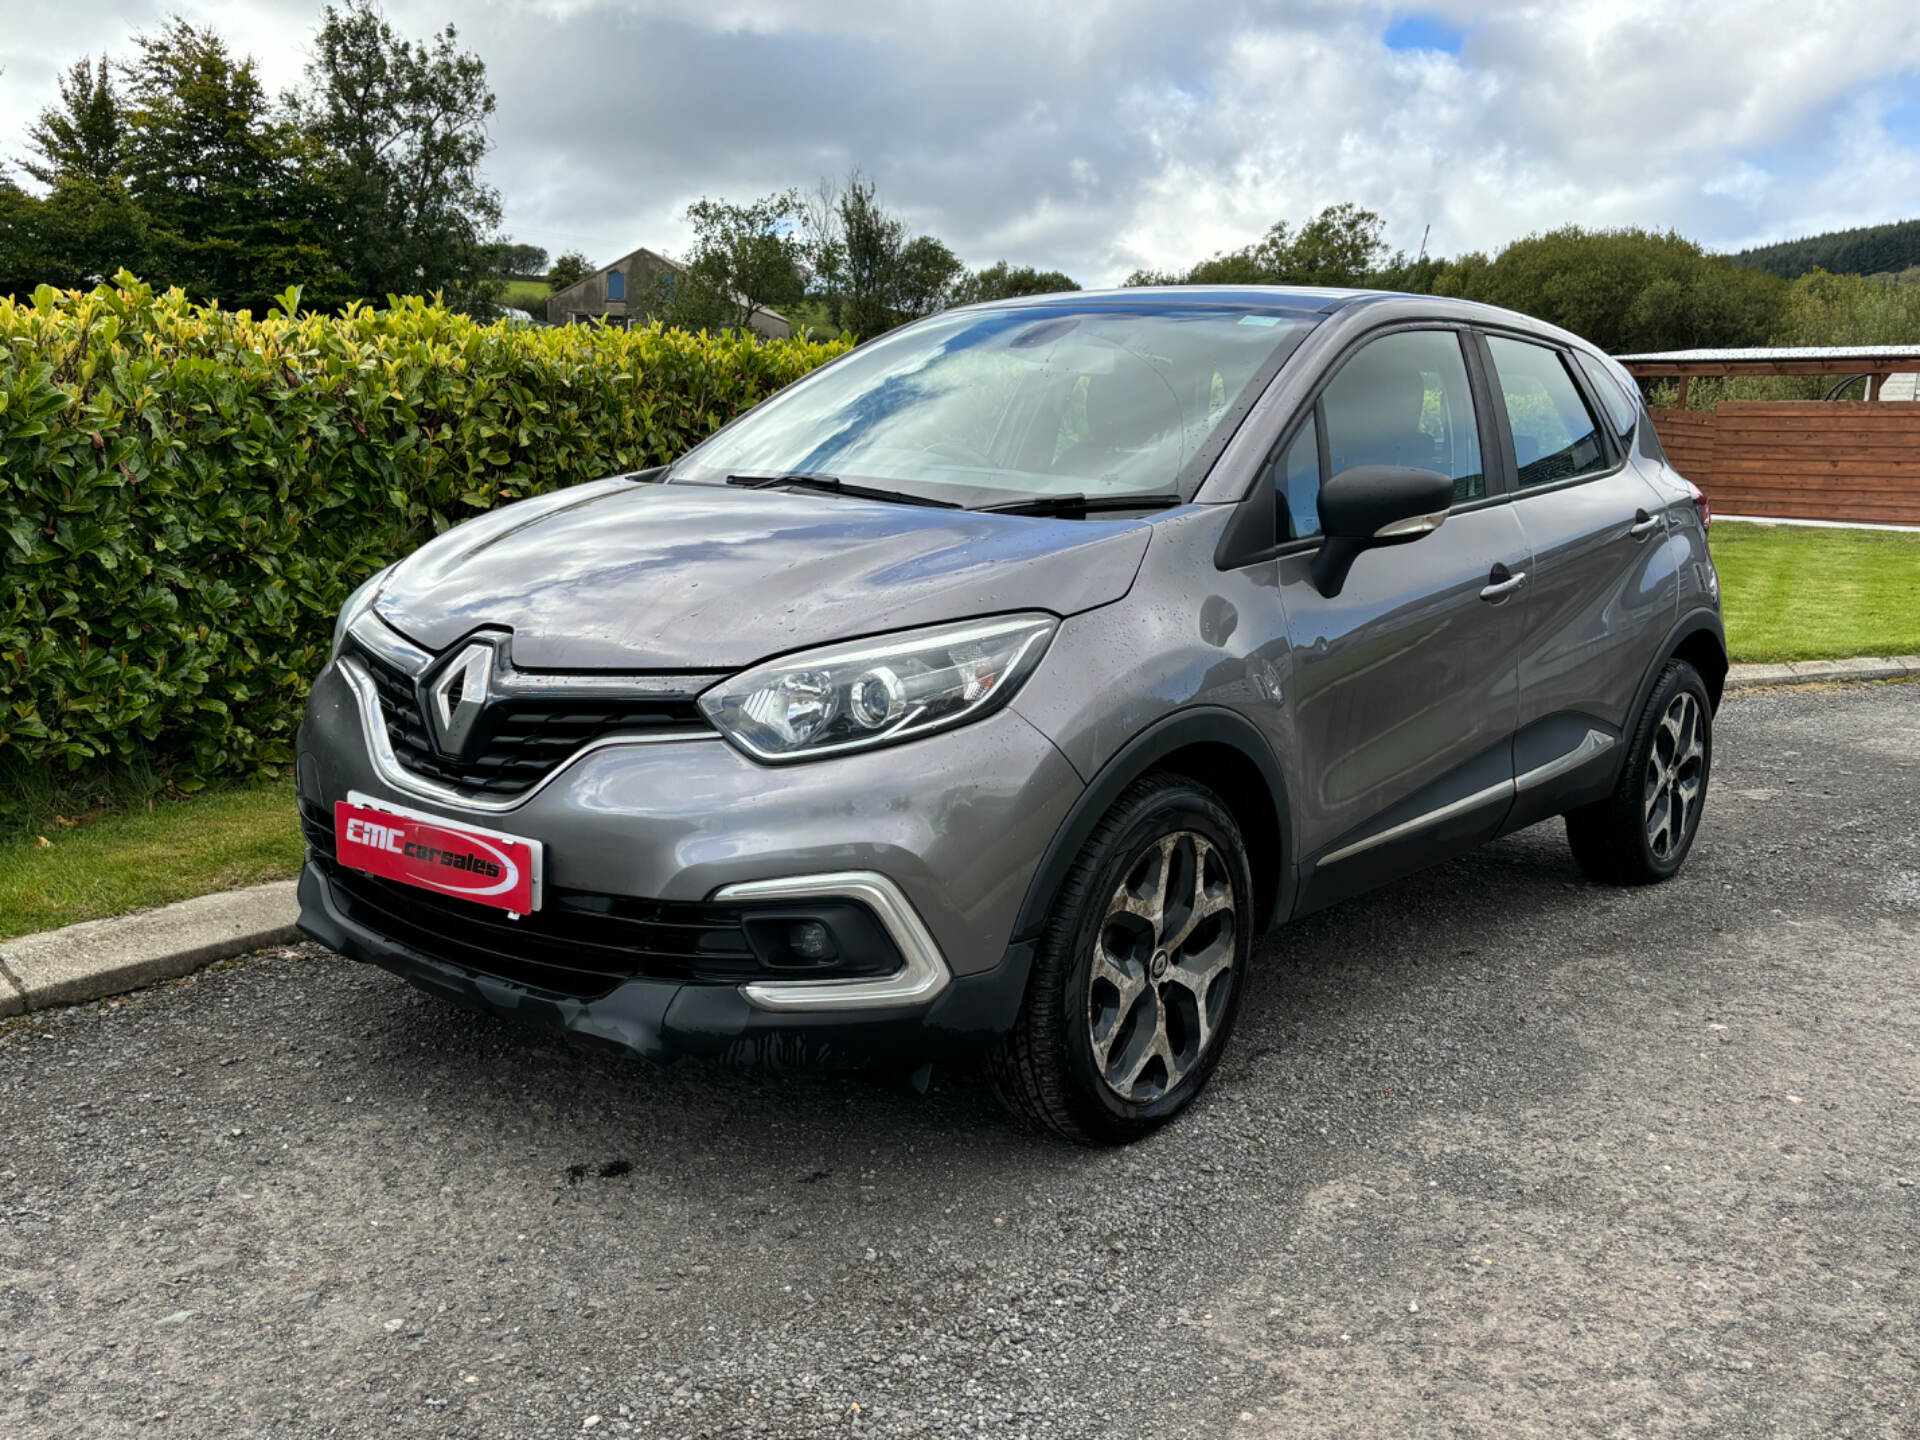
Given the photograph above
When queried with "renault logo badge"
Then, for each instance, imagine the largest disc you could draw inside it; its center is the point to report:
(457, 696)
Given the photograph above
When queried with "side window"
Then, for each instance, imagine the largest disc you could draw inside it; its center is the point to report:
(1622, 410)
(1296, 482)
(1404, 400)
(1554, 436)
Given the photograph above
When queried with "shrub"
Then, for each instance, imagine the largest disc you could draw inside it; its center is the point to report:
(187, 495)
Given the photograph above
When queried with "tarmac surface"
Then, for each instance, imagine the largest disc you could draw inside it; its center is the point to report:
(1496, 1151)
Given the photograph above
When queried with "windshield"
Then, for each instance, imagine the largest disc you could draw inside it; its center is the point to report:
(984, 407)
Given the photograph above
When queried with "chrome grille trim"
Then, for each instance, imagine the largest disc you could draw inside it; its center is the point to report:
(389, 644)
(373, 727)
(402, 654)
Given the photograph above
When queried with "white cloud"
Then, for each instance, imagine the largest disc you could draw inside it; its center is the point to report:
(1098, 137)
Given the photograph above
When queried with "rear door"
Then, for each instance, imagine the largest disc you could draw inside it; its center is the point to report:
(1601, 588)
(1403, 687)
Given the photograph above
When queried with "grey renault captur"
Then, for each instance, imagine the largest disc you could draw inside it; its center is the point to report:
(994, 687)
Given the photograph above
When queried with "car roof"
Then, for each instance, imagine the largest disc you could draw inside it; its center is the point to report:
(1291, 299)
(1316, 299)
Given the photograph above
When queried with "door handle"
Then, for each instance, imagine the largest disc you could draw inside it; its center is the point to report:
(1498, 588)
(1645, 524)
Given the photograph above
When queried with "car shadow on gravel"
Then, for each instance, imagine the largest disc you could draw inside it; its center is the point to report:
(1326, 993)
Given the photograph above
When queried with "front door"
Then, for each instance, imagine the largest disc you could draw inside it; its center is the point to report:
(1403, 685)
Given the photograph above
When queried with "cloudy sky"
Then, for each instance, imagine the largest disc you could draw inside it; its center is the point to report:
(1097, 136)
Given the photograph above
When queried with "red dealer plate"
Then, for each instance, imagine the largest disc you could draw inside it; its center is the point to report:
(483, 866)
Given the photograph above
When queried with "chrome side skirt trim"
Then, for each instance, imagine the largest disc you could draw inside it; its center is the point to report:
(1502, 791)
(373, 726)
(923, 976)
(1592, 744)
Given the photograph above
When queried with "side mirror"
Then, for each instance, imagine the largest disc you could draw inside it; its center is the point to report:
(1373, 505)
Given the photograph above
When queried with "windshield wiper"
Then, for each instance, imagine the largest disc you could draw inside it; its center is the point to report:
(1078, 504)
(834, 485)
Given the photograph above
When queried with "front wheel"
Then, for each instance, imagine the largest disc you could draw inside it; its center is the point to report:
(1139, 971)
(1642, 832)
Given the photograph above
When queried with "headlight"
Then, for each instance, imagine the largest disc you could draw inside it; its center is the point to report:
(873, 692)
(358, 603)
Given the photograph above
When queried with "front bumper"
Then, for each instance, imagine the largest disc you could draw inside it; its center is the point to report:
(662, 1020)
(949, 829)
(957, 821)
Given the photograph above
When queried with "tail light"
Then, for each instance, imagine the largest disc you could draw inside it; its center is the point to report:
(1702, 504)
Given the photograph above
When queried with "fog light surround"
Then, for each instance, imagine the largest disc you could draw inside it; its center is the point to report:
(826, 937)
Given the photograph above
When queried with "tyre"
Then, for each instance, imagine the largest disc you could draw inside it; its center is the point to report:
(1139, 970)
(1642, 832)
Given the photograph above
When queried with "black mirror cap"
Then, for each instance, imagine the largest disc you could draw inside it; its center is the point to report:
(1371, 505)
(1359, 503)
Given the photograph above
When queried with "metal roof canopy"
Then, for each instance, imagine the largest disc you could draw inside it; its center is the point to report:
(1781, 360)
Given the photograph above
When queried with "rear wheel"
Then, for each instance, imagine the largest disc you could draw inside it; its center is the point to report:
(1138, 975)
(1643, 832)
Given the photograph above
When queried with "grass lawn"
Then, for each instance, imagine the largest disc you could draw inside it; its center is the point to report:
(526, 294)
(1792, 592)
(219, 839)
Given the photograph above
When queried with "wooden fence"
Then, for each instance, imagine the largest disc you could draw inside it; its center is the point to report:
(1804, 460)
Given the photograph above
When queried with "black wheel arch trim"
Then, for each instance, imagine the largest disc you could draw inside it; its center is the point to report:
(1702, 621)
(1695, 622)
(1202, 725)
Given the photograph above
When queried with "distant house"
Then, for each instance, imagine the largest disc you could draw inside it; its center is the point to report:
(618, 294)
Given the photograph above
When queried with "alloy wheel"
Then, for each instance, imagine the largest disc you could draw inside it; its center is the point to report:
(1162, 966)
(1676, 770)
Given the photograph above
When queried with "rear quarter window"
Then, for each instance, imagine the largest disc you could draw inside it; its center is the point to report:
(1623, 411)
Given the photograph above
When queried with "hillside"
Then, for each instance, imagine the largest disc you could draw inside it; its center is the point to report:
(1870, 250)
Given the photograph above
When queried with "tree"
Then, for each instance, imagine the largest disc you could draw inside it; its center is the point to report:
(823, 247)
(88, 231)
(1414, 277)
(745, 258)
(22, 259)
(88, 226)
(872, 241)
(868, 271)
(568, 268)
(1341, 246)
(1464, 277)
(504, 257)
(1001, 281)
(227, 186)
(85, 136)
(1823, 309)
(925, 274)
(1632, 290)
(402, 129)
(685, 302)
(1871, 250)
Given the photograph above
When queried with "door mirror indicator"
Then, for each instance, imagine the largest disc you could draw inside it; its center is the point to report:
(1374, 505)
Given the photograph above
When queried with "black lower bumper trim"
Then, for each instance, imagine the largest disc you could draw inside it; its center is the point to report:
(663, 1019)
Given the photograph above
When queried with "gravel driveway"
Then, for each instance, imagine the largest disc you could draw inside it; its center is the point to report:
(1495, 1152)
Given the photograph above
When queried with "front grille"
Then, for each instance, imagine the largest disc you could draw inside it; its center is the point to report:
(579, 943)
(523, 738)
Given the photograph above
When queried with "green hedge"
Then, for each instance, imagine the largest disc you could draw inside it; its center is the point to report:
(188, 495)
